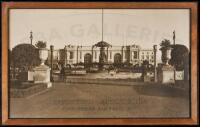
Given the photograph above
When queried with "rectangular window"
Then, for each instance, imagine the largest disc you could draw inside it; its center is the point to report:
(71, 55)
(110, 55)
(135, 55)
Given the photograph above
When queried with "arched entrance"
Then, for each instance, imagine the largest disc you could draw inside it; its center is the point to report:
(102, 57)
(87, 59)
(117, 59)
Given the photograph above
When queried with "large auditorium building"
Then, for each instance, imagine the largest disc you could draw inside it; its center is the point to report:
(133, 54)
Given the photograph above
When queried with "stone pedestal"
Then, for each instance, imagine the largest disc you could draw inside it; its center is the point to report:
(166, 74)
(42, 75)
(30, 75)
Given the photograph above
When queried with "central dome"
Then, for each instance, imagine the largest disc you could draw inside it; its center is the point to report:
(102, 44)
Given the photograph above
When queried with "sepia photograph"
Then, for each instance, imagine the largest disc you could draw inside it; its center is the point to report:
(100, 63)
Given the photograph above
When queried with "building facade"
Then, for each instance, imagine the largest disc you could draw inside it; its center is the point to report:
(132, 54)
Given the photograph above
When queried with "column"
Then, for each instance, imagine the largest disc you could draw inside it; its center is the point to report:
(77, 55)
(92, 53)
(155, 72)
(107, 54)
(51, 71)
(122, 53)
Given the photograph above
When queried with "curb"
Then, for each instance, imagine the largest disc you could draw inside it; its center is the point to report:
(121, 82)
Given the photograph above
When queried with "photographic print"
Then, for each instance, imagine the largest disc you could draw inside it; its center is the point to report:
(98, 64)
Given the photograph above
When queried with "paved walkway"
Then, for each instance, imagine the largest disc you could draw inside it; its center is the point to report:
(66, 100)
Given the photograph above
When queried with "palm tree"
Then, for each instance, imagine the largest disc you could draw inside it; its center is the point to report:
(41, 44)
(165, 43)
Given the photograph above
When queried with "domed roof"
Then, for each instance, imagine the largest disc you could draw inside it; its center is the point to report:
(102, 44)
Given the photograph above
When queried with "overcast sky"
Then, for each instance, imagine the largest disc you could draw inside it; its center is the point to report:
(60, 27)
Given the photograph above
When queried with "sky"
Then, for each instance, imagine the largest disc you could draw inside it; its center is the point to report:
(60, 27)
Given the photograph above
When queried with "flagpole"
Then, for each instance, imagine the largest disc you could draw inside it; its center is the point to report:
(102, 24)
(174, 37)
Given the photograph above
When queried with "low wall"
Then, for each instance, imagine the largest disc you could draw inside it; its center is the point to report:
(104, 81)
(27, 91)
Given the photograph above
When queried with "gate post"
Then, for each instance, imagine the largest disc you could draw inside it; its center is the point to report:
(51, 72)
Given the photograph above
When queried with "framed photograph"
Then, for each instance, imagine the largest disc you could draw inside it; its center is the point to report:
(99, 63)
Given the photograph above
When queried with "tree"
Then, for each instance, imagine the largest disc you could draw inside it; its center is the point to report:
(165, 46)
(41, 44)
(10, 57)
(179, 56)
(25, 56)
(180, 59)
(165, 43)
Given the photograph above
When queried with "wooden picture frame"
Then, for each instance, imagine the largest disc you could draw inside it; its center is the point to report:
(101, 121)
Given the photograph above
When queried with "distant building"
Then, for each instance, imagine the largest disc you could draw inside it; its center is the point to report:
(133, 54)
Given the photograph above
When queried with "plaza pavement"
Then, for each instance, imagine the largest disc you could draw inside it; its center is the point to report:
(65, 100)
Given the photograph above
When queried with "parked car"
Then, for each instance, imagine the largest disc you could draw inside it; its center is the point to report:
(106, 66)
(94, 68)
(79, 66)
(77, 70)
